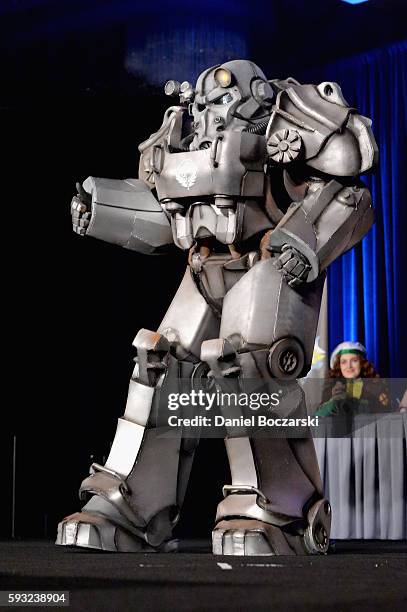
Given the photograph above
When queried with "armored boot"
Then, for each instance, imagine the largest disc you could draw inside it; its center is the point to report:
(275, 504)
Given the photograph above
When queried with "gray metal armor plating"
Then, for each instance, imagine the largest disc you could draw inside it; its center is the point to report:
(247, 307)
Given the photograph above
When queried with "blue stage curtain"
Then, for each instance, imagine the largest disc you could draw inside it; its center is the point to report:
(367, 287)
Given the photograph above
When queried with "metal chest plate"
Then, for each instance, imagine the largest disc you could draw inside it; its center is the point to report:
(232, 165)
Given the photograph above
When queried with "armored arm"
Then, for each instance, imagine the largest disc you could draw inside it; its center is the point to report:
(313, 133)
(123, 212)
(316, 230)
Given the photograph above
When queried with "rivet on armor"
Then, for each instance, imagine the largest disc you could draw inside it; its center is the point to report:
(346, 197)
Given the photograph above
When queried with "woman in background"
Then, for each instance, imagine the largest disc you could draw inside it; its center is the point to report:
(354, 387)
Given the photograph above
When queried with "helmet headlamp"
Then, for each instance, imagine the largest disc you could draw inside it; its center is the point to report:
(223, 77)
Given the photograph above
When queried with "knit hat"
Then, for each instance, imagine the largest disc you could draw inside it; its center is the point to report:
(347, 347)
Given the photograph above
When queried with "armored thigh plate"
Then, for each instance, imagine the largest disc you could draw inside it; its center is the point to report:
(261, 309)
(188, 320)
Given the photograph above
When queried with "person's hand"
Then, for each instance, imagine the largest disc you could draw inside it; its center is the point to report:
(81, 206)
(338, 389)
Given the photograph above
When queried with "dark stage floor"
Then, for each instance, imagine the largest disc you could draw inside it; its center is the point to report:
(356, 576)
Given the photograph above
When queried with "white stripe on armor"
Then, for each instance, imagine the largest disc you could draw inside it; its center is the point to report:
(241, 461)
(139, 401)
(125, 447)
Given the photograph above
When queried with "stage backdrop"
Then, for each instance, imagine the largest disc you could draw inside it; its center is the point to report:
(367, 287)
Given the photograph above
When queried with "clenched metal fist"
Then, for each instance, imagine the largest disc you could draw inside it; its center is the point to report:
(293, 264)
(81, 206)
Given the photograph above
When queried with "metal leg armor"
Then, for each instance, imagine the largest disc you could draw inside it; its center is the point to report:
(275, 503)
(133, 501)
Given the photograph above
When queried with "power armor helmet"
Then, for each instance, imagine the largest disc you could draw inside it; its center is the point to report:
(235, 95)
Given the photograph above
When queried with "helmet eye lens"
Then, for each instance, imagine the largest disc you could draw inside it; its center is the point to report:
(224, 99)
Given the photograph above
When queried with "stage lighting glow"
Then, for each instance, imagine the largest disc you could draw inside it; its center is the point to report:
(354, 1)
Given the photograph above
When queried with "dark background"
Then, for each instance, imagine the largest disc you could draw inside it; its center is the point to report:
(81, 86)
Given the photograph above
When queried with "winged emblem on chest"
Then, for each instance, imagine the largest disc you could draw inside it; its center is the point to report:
(186, 173)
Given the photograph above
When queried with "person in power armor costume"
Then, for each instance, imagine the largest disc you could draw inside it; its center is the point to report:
(246, 308)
